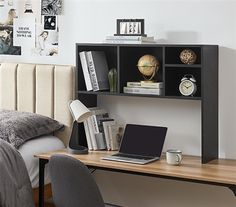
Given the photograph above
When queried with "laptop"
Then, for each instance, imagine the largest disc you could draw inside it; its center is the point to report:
(141, 144)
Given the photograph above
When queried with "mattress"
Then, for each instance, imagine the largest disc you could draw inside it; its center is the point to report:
(35, 146)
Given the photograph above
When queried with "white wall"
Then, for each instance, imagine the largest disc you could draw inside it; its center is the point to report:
(172, 21)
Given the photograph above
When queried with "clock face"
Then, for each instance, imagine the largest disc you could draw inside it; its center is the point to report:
(187, 87)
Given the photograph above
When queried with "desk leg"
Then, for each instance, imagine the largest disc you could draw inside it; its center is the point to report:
(42, 163)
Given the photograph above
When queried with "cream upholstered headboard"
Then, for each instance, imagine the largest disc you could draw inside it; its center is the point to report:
(42, 89)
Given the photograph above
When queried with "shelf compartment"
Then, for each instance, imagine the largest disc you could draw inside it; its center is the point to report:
(172, 54)
(111, 57)
(129, 56)
(173, 78)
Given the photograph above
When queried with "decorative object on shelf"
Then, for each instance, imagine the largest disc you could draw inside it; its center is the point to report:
(187, 86)
(173, 157)
(188, 56)
(148, 66)
(130, 27)
(79, 113)
(112, 78)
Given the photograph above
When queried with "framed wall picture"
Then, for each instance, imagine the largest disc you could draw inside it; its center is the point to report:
(131, 27)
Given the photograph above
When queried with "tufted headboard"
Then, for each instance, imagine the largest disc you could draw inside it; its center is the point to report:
(42, 89)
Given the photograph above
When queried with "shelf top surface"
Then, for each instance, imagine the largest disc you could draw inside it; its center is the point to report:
(219, 171)
(144, 45)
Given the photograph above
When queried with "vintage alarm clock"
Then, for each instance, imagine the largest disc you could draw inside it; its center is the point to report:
(187, 86)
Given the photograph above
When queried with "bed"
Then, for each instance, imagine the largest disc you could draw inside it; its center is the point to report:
(41, 89)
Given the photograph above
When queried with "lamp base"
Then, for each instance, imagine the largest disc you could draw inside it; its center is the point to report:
(78, 150)
(74, 147)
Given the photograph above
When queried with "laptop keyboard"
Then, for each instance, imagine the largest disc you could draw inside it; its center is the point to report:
(133, 156)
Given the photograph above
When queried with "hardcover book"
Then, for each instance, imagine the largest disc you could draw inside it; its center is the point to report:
(98, 69)
(115, 133)
(143, 84)
(87, 134)
(106, 133)
(148, 91)
(97, 139)
(83, 60)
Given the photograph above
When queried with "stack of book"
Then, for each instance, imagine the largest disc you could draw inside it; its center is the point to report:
(149, 88)
(95, 70)
(125, 39)
(102, 132)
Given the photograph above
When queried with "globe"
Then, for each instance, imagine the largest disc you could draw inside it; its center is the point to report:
(148, 66)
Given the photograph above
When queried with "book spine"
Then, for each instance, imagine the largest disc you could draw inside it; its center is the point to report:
(88, 138)
(130, 38)
(95, 124)
(144, 85)
(92, 135)
(110, 136)
(150, 91)
(152, 85)
(112, 129)
(85, 69)
(129, 41)
(100, 141)
(133, 84)
(92, 71)
(106, 133)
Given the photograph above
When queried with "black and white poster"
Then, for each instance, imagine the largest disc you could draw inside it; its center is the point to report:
(51, 7)
(46, 42)
(6, 41)
(24, 33)
(7, 15)
(29, 27)
(50, 22)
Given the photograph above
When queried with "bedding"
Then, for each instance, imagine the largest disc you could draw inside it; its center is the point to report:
(34, 146)
(17, 127)
(15, 188)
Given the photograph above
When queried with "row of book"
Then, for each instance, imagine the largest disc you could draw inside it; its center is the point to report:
(142, 87)
(95, 70)
(102, 132)
(126, 39)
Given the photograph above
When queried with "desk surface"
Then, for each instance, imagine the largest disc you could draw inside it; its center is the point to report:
(219, 171)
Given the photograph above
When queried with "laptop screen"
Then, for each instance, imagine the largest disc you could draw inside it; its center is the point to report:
(143, 140)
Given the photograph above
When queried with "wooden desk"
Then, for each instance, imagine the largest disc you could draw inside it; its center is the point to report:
(219, 172)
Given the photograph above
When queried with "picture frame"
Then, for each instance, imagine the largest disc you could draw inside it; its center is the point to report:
(130, 27)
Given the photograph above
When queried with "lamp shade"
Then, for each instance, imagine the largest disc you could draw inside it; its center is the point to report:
(79, 111)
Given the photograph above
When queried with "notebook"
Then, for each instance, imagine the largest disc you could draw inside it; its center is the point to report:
(141, 144)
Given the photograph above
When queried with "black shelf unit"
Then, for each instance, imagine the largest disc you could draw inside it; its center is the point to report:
(124, 58)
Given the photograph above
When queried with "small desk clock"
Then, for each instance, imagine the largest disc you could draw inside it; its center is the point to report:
(187, 86)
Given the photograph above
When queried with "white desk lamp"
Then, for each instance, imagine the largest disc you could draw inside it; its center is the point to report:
(79, 113)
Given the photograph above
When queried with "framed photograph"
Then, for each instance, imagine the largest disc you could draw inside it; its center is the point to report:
(130, 27)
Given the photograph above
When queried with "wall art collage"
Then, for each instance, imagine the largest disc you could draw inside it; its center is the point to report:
(29, 27)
